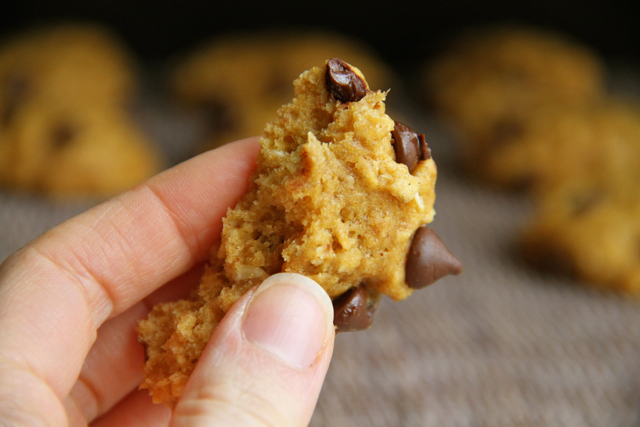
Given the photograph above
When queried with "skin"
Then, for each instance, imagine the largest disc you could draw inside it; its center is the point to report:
(70, 301)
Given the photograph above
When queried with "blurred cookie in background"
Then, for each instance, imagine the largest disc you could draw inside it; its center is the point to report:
(586, 168)
(239, 81)
(489, 81)
(532, 111)
(74, 62)
(68, 150)
(65, 127)
(591, 232)
(598, 143)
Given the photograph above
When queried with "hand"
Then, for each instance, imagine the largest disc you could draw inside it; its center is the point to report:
(71, 299)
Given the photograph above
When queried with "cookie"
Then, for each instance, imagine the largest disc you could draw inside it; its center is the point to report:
(69, 151)
(588, 232)
(240, 81)
(65, 128)
(341, 194)
(598, 143)
(489, 82)
(74, 62)
(586, 164)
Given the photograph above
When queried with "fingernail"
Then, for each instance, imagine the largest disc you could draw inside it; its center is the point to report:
(291, 317)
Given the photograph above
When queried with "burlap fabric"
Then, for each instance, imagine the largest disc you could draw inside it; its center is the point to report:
(498, 346)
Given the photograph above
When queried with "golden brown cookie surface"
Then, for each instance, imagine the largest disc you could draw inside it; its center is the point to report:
(590, 232)
(75, 62)
(489, 83)
(598, 143)
(240, 81)
(64, 125)
(329, 200)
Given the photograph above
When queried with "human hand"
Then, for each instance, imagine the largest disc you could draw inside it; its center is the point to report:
(70, 301)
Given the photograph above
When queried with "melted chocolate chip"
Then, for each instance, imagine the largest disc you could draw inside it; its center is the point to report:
(429, 260)
(409, 146)
(353, 310)
(16, 87)
(343, 83)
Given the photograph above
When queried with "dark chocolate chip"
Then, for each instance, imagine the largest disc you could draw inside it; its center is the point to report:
(429, 260)
(343, 83)
(405, 144)
(16, 87)
(353, 310)
(409, 146)
(425, 151)
(62, 135)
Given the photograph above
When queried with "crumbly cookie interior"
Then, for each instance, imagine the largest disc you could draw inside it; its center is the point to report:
(328, 200)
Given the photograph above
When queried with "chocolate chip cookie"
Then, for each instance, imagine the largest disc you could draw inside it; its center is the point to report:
(342, 194)
(240, 81)
(65, 129)
(597, 143)
(76, 62)
(68, 151)
(589, 232)
(584, 167)
(489, 82)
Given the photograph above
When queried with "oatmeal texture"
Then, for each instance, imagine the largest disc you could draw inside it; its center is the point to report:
(328, 200)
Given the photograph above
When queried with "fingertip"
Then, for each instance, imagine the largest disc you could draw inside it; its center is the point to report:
(290, 317)
(266, 360)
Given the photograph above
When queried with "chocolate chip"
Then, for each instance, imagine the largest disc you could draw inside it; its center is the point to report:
(429, 260)
(16, 87)
(425, 151)
(343, 83)
(409, 146)
(62, 135)
(353, 310)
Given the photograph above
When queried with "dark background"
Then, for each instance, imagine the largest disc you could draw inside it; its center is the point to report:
(403, 32)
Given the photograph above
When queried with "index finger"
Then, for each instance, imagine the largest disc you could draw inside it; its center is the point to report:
(57, 290)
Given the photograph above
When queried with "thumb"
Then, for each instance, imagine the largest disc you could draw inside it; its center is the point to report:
(266, 361)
